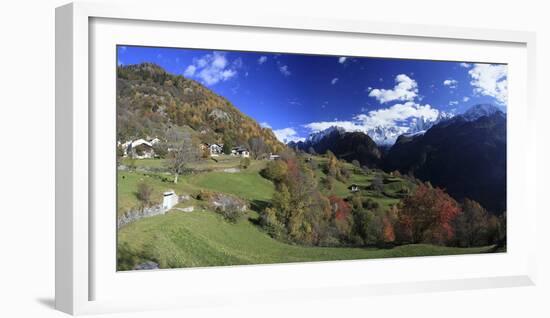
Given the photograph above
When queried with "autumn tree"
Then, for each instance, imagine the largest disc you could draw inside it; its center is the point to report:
(335, 168)
(496, 229)
(341, 212)
(275, 170)
(427, 216)
(160, 149)
(297, 204)
(258, 147)
(328, 182)
(186, 151)
(377, 183)
(471, 226)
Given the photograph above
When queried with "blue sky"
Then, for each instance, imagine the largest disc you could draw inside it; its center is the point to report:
(298, 94)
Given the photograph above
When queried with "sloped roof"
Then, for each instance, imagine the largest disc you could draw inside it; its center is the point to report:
(140, 142)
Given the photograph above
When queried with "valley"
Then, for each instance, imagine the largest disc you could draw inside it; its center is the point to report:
(202, 183)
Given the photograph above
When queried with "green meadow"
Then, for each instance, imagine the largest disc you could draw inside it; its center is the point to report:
(203, 238)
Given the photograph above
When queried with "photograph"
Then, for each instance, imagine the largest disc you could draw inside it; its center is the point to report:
(229, 158)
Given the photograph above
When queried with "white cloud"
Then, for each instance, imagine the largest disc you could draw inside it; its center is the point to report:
(284, 70)
(287, 135)
(397, 113)
(190, 71)
(451, 83)
(334, 80)
(265, 125)
(405, 89)
(295, 102)
(342, 59)
(466, 99)
(213, 68)
(490, 80)
(322, 125)
(466, 65)
(386, 117)
(262, 60)
(453, 103)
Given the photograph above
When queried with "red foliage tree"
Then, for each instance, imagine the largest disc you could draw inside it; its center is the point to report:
(341, 211)
(340, 208)
(388, 232)
(427, 215)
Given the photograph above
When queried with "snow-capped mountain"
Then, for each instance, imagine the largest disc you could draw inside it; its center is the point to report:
(480, 110)
(386, 136)
(347, 145)
(316, 137)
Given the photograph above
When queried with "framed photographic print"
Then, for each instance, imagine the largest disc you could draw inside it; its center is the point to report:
(201, 156)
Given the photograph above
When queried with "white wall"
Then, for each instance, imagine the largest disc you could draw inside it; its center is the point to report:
(27, 116)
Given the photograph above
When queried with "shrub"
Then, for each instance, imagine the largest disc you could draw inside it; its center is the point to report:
(269, 221)
(205, 195)
(245, 163)
(144, 192)
(275, 170)
(131, 163)
(370, 204)
(230, 212)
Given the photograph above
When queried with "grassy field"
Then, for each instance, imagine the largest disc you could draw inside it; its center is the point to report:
(198, 239)
(203, 238)
(363, 179)
(246, 184)
(216, 163)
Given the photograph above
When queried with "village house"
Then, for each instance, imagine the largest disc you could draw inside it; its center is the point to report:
(274, 157)
(140, 148)
(240, 151)
(353, 188)
(214, 149)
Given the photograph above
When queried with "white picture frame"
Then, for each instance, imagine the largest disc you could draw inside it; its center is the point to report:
(77, 252)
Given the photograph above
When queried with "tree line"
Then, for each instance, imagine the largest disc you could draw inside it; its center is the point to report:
(300, 213)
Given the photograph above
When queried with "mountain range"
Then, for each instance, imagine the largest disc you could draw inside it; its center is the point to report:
(385, 136)
(345, 145)
(465, 154)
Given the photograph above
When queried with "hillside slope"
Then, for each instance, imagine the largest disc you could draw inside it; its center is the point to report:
(466, 155)
(179, 239)
(150, 101)
(345, 145)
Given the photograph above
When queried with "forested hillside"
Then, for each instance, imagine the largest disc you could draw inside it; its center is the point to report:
(152, 102)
